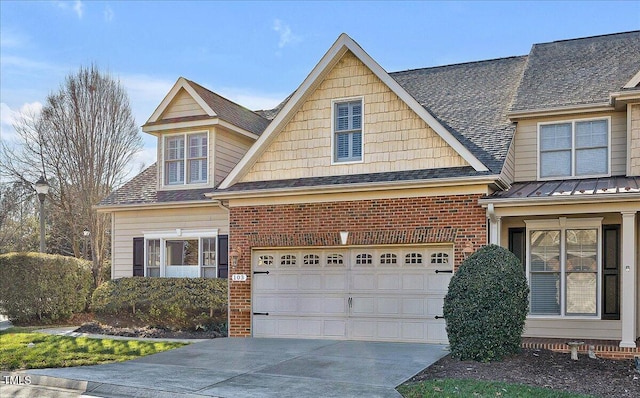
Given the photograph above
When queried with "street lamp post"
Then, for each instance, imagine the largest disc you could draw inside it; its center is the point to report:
(42, 189)
(86, 234)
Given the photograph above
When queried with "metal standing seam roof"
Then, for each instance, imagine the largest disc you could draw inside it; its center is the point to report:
(595, 188)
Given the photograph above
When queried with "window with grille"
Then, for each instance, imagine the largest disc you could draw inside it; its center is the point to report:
(563, 267)
(335, 259)
(311, 259)
(364, 259)
(388, 259)
(348, 131)
(440, 258)
(265, 260)
(413, 258)
(575, 148)
(190, 159)
(288, 260)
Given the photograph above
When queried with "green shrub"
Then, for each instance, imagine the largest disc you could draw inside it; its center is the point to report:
(486, 306)
(174, 303)
(42, 287)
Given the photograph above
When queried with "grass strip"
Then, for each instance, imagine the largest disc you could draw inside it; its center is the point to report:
(23, 349)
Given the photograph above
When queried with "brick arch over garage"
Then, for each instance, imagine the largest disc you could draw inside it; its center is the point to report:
(456, 219)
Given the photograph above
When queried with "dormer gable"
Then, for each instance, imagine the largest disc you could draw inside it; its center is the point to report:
(181, 101)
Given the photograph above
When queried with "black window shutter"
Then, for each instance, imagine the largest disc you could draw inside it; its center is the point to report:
(611, 272)
(223, 256)
(138, 256)
(517, 244)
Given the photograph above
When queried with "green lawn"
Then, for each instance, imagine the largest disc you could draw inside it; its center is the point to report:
(62, 351)
(479, 389)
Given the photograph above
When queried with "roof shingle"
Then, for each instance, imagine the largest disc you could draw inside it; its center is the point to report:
(578, 71)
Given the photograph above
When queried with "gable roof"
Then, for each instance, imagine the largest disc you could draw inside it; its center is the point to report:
(471, 101)
(214, 105)
(578, 71)
(142, 190)
(337, 50)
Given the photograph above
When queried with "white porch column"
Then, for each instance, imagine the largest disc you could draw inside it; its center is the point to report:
(629, 286)
(494, 225)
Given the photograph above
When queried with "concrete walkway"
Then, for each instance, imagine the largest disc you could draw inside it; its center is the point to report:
(245, 367)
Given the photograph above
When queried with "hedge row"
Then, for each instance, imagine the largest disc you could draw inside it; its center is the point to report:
(43, 287)
(175, 303)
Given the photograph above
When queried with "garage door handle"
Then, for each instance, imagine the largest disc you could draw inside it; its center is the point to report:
(261, 272)
(446, 271)
(260, 313)
(439, 317)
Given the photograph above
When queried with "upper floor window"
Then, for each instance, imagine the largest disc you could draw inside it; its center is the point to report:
(195, 155)
(576, 148)
(347, 126)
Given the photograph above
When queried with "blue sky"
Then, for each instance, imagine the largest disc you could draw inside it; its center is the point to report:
(257, 53)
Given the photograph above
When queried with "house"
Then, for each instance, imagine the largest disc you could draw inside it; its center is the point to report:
(343, 213)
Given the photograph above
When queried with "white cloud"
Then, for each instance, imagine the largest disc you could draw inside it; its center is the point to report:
(251, 100)
(76, 6)
(8, 117)
(108, 14)
(286, 35)
(145, 94)
(9, 39)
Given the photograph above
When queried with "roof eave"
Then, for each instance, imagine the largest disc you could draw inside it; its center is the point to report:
(561, 110)
(153, 205)
(151, 129)
(357, 187)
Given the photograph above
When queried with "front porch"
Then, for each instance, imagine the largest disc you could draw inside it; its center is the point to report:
(609, 349)
(578, 241)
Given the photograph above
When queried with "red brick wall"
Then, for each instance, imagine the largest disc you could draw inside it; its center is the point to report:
(457, 219)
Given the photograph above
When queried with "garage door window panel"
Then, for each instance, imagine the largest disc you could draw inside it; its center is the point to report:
(388, 259)
(413, 258)
(288, 260)
(335, 260)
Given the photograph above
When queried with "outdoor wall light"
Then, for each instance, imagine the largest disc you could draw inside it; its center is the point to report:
(234, 256)
(344, 235)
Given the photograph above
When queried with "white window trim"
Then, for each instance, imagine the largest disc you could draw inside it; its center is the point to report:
(163, 153)
(334, 102)
(563, 224)
(179, 234)
(573, 149)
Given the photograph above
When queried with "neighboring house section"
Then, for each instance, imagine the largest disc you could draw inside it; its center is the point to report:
(162, 224)
(347, 208)
(571, 212)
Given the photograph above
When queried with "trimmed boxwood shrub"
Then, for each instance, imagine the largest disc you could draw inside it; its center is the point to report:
(43, 287)
(486, 306)
(173, 303)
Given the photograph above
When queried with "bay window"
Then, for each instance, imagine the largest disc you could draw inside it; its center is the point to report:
(577, 148)
(563, 270)
(191, 158)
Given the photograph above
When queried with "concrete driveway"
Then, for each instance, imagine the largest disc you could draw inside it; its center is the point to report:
(246, 367)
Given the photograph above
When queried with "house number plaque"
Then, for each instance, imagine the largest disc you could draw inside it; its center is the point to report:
(239, 277)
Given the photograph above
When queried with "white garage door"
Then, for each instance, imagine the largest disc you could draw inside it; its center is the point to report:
(379, 294)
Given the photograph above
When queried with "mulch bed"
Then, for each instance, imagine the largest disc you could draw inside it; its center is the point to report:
(543, 368)
(146, 332)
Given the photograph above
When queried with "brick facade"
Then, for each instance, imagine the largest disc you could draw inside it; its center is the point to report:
(454, 219)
